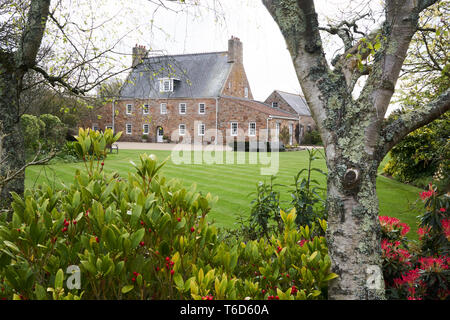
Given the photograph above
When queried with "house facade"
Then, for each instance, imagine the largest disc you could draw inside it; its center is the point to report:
(203, 98)
(296, 104)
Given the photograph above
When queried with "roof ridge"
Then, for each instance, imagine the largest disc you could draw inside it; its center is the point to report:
(184, 54)
(294, 94)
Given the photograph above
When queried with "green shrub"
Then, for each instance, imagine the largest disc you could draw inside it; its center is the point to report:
(146, 238)
(312, 138)
(420, 155)
(32, 127)
(54, 133)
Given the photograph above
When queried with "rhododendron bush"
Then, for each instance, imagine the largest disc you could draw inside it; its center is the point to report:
(146, 238)
(417, 271)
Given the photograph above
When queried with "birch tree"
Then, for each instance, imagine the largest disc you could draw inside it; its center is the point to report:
(355, 134)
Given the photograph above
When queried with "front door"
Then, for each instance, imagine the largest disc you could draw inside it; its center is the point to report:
(159, 134)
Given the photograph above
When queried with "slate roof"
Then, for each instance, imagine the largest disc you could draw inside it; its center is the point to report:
(199, 75)
(297, 102)
(261, 107)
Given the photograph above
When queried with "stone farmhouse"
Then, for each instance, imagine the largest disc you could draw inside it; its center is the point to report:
(203, 98)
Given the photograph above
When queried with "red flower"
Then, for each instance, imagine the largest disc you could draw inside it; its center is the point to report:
(142, 243)
(64, 229)
(442, 209)
(426, 194)
(134, 279)
(102, 164)
(172, 272)
(192, 229)
(405, 228)
(302, 242)
(422, 232)
(74, 222)
(142, 223)
(178, 219)
(294, 290)
(97, 239)
(446, 228)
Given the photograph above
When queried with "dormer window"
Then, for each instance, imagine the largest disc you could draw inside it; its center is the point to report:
(165, 85)
(274, 104)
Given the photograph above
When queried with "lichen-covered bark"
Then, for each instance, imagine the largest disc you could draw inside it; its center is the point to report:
(13, 67)
(353, 233)
(11, 141)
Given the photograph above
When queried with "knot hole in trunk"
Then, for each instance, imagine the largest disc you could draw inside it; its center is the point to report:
(351, 178)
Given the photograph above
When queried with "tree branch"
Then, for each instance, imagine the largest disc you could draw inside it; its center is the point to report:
(33, 33)
(408, 122)
(297, 20)
(12, 175)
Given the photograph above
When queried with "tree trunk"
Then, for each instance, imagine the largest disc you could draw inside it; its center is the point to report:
(14, 65)
(12, 154)
(353, 233)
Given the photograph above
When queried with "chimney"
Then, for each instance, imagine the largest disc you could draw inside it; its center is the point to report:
(235, 52)
(139, 53)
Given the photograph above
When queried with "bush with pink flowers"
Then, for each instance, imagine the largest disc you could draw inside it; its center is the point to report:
(417, 271)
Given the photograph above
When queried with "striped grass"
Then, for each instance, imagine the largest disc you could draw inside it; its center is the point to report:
(233, 183)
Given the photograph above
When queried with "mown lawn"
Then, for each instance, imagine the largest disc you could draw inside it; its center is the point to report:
(233, 183)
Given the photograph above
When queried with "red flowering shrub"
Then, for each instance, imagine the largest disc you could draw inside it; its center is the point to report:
(429, 280)
(434, 231)
(392, 229)
(395, 261)
(408, 275)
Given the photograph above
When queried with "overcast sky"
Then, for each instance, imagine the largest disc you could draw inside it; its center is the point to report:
(267, 62)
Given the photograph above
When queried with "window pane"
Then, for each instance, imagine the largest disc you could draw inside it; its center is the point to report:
(234, 128)
(182, 129)
(201, 129)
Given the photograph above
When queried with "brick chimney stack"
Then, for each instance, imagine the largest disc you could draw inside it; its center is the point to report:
(139, 53)
(235, 52)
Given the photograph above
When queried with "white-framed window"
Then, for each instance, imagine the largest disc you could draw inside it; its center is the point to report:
(201, 129)
(129, 108)
(129, 128)
(252, 129)
(145, 109)
(108, 127)
(165, 85)
(246, 92)
(274, 104)
(201, 108)
(182, 108)
(182, 129)
(234, 128)
(163, 108)
(145, 129)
